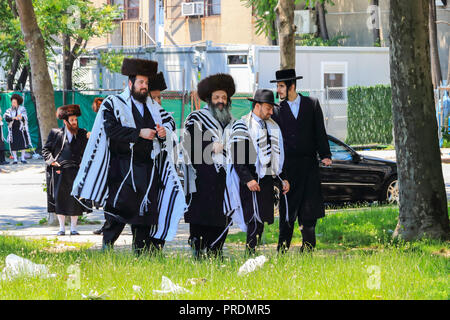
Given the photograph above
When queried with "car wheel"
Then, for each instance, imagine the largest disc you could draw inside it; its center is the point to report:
(390, 193)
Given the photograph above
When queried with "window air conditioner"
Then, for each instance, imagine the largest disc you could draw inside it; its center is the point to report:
(192, 9)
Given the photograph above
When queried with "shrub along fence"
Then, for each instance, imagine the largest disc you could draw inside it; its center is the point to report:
(369, 115)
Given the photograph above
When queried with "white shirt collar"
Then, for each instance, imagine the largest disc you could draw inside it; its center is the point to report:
(69, 135)
(295, 102)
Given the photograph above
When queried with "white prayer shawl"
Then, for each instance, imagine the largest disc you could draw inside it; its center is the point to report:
(247, 128)
(204, 118)
(23, 124)
(90, 182)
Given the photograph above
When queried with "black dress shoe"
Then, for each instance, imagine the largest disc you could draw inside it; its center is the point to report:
(61, 233)
(98, 231)
(74, 233)
(4, 162)
(15, 162)
(23, 161)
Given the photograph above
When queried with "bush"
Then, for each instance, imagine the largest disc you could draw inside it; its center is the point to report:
(369, 115)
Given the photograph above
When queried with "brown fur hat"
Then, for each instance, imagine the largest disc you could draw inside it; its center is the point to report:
(97, 103)
(64, 112)
(219, 81)
(134, 67)
(18, 97)
(157, 82)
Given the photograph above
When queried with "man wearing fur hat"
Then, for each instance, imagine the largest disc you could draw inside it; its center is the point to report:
(156, 85)
(62, 154)
(204, 165)
(126, 168)
(18, 134)
(256, 145)
(301, 121)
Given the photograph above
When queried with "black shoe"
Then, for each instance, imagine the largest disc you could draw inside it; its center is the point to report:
(4, 163)
(15, 162)
(61, 233)
(98, 231)
(23, 161)
(74, 233)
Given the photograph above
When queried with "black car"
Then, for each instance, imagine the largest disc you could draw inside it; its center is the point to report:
(354, 177)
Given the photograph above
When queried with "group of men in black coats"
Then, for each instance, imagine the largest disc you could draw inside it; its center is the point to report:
(234, 170)
(274, 147)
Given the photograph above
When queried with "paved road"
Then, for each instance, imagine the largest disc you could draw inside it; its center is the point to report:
(23, 204)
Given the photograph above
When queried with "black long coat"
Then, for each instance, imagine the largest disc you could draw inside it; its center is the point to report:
(206, 206)
(304, 138)
(60, 179)
(128, 202)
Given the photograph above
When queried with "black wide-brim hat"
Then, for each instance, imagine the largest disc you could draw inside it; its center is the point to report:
(157, 82)
(134, 67)
(18, 97)
(263, 96)
(285, 75)
(219, 81)
(64, 112)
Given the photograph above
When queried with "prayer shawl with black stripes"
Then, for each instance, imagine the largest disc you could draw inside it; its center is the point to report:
(23, 128)
(269, 160)
(209, 198)
(90, 182)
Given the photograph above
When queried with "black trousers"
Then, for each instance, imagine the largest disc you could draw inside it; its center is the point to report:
(142, 242)
(287, 230)
(254, 233)
(204, 237)
(2, 156)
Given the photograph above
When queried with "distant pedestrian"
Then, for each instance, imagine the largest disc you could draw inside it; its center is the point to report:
(18, 133)
(2, 144)
(63, 152)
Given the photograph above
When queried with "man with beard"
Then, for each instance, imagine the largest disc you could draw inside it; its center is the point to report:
(18, 134)
(62, 153)
(204, 165)
(257, 151)
(301, 121)
(156, 85)
(125, 168)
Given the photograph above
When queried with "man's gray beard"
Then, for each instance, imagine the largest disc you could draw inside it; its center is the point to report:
(223, 116)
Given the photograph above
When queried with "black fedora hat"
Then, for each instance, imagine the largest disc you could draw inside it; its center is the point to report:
(157, 82)
(263, 96)
(285, 75)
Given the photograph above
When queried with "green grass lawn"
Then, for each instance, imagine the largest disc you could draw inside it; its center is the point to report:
(355, 259)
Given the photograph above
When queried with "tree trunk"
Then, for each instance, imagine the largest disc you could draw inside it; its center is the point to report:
(22, 81)
(12, 73)
(377, 25)
(435, 63)
(286, 33)
(423, 201)
(42, 85)
(68, 64)
(320, 7)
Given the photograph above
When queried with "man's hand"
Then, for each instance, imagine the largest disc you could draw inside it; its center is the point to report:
(161, 131)
(56, 164)
(147, 133)
(217, 147)
(253, 185)
(88, 134)
(327, 162)
(286, 186)
(19, 117)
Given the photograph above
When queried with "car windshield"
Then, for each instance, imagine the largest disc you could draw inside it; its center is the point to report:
(339, 152)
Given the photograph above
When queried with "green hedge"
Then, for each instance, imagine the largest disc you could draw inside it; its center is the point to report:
(369, 115)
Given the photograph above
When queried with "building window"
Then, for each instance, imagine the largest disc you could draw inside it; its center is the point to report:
(334, 80)
(130, 8)
(213, 7)
(237, 59)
